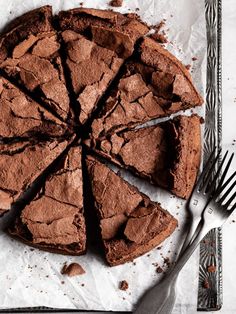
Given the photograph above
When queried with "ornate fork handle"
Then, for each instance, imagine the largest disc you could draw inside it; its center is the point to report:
(156, 298)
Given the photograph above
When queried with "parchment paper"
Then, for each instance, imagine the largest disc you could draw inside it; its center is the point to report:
(32, 277)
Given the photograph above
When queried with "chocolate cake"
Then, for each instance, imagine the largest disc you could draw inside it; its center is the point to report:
(131, 224)
(29, 53)
(54, 220)
(20, 164)
(94, 59)
(92, 76)
(167, 154)
(22, 117)
(155, 84)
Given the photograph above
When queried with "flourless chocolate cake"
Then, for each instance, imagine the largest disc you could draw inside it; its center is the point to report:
(130, 223)
(93, 77)
(167, 154)
(54, 220)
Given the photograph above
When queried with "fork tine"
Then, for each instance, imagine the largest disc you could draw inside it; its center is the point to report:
(232, 208)
(218, 172)
(227, 193)
(205, 169)
(226, 170)
(209, 173)
(221, 188)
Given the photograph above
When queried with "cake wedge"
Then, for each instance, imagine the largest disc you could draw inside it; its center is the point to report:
(130, 223)
(167, 154)
(54, 220)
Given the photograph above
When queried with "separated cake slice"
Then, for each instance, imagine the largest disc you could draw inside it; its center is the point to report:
(20, 164)
(29, 53)
(22, 117)
(54, 220)
(155, 84)
(96, 44)
(167, 154)
(130, 223)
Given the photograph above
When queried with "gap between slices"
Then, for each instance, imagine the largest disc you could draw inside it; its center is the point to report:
(96, 43)
(20, 164)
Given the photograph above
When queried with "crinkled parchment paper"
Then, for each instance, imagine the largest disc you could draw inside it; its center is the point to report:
(31, 277)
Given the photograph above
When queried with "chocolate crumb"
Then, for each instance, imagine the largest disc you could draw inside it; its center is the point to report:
(31, 250)
(159, 37)
(159, 270)
(123, 285)
(202, 120)
(211, 269)
(194, 58)
(159, 247)
(167, 261)
(81, 4)
(188, 66)
(206, 284)
(116, 3)
(62, 282)
(74, 269)
(82, 284)
(233, 221)
(137, 9)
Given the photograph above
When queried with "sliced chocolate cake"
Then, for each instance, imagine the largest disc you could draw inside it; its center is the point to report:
(155, 84)
(24, 118)
(29, 54)
(167, 154)
(97, 43)
(130, 223)
(20, 164)
(54, 220)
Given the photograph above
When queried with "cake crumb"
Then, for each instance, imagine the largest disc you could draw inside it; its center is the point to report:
(188, 66)
(62, 282)
(81, 4)
(167, 261)
(159, 270)
(202, 120)
(194, 58)
(116, 3)
(211, 269)
(74, 269)
(123, 285)
(157, 36)
(206, 284)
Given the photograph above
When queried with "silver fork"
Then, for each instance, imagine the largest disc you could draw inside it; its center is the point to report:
(213, 213)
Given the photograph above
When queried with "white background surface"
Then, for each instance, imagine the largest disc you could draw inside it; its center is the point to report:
(185, 299)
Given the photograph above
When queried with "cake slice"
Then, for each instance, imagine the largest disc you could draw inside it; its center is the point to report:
(22, 117)
(167, 154)
(96, 44)
(130, 223)
(29, 54)
(54, 220)
(154, 84)
(20, 164)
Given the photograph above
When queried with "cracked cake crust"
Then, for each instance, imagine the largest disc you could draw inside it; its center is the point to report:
(54, 219)
(29, 53)
(130, 223)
